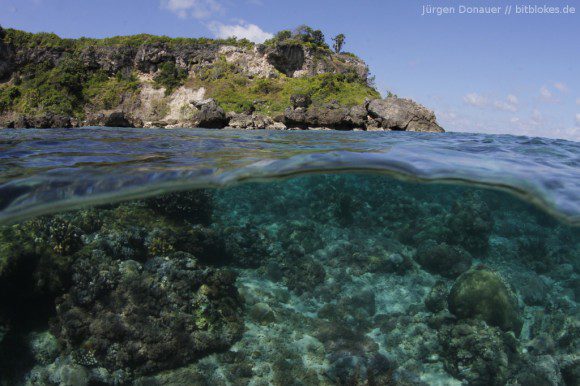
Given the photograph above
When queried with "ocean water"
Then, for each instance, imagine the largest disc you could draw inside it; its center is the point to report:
(222, 257)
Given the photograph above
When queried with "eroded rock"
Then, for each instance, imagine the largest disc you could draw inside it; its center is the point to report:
(394, 113)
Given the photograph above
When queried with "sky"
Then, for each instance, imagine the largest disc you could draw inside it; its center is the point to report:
(480, 72)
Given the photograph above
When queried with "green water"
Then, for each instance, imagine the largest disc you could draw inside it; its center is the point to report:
(326, 279)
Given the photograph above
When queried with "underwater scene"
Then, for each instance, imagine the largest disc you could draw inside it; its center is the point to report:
(362, 260)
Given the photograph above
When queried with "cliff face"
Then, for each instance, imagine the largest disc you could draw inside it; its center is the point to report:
(151, 81)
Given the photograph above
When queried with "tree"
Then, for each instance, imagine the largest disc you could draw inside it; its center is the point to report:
(303, 32)
(283, 35)
(338, 42)
(318, 37)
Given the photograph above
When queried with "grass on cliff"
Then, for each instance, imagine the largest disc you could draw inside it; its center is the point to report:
(50, 40)
(271, 96)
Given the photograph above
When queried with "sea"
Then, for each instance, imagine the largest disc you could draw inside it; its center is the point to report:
(258, 257)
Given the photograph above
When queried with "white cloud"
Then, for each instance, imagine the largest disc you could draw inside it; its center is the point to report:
(510, 104)
(513, 99)
(242, 30)
(560, 86)
(198, 9)
(547, 95)
(578, 101)
(577, 120)
(475, 99)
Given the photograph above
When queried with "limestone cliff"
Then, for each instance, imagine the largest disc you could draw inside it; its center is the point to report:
(150, 81)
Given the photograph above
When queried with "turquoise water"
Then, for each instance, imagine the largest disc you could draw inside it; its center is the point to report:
(206, 257)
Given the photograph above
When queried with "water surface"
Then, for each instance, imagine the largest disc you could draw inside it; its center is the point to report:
(45, 170)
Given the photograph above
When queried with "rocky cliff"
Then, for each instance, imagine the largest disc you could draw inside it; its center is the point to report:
(149, 81)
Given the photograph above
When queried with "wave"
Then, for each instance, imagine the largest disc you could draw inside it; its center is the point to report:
(47, 171)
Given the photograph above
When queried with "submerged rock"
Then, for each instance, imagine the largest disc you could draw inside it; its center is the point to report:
(475, 353)
(470, 224)
(147, 317)
(262, 313)
(482, 294)
(443, 259)
(436, 300)
(193, 206)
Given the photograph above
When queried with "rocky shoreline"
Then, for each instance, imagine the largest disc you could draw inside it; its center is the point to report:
(289, 82)
(389, 114)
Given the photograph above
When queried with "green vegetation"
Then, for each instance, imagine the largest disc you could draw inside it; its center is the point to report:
(8, 95)
(66, 85)
(338, 43)
(104, 92)
(302, 35)
(141, 39)
(49, 40)
(64, 89)
(170, 77)
(236, 92)
(55, 90)
(33, 40)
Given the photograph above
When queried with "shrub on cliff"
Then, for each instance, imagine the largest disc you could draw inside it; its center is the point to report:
(105, 92)
(170, 77)
(303, 35)
(8, 95)
(55, 90)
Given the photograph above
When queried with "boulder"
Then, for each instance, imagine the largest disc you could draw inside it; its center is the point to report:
(117, 119)
(21, 122)
(276, 126)
(481, 293)
(436, 300)
(402, 114)
(357, 116)
(210, 115)
(241, 121)
(300, 100)
(331, 116)
(475, 353)
(295, 117)
(253, 121)
(443, 259)
(50, 120)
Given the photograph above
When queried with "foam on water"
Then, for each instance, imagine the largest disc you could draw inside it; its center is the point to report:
(43, 171)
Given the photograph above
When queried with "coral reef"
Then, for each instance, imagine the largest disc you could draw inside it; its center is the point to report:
(316, 280)
(147, 317)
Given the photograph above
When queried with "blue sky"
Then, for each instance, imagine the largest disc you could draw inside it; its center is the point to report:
(517, 74)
